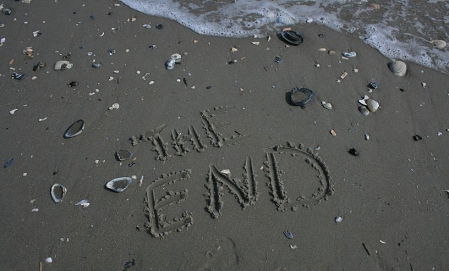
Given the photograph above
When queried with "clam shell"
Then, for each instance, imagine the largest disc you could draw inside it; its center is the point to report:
(123, 155)
(372, 105)
(440, 44)
(74, 129)
(62, 65)
(119, 184)
(399, 68)
(326, 105)
(170, 64)
(363, 110)
(57, 192)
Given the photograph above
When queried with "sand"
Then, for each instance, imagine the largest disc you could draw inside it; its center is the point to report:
(226, 164)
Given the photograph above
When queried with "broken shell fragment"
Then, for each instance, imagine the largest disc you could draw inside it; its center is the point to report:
(96, 64)
(123, 155)
(62, 65)
(57, 192)
(398, 68)
(176, 57)
(170, 64)
(119, 184)
(372, 105)
(326, 105)
(74, 129)
(114, 106)
(349, 54)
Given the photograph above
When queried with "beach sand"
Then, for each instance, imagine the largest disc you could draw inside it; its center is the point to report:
(287, 170)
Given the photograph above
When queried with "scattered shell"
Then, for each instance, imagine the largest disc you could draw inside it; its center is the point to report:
(62, 65)
(440, 44)
(326, 105)
(176, 57)
(13, 111)
(85, 203)
(57, 192)
(349, 54)
(372, 105)
(234, 49)
(72, 84)
(146, 26)
(354, 152)
(96, 64)
(292, 37)
(18, 76)
(331, 52)
(255, 42)
(355, 69)
(301, 96)
(119, 184)
(288, 234)
(364, 110)
(114, 106)
(268, 38)
(398, 68)
(322, 49)
(343, 75)
(373, 85)
(417, 137)
(49, 260)
(363, 100)
(338, 219)
(226, 172)
(123, 155)
(170, 64)
(309, 20)
(374, 6)
(423, 85)
(74, 129)
(366, 136)
(333, 132)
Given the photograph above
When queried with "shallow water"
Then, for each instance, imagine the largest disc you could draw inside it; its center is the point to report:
(399, 29)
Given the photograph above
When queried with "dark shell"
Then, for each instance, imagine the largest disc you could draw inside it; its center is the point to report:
(288, 234)
(119, 184)
(123, 155)
(74, 129)
(72, 84)
(292, 37)
(373, 85)
(354, 152)
(17, 76)
(417, 137)
(96, 64)
(301, 96)
(159, 26)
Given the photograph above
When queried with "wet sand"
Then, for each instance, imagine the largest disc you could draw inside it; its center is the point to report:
(287, 171)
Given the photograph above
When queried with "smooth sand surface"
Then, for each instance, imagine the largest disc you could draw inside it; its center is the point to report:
(287, 170)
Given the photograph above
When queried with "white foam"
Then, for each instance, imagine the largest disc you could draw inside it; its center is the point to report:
(242, 18)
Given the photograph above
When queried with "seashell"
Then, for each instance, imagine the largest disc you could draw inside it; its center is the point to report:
(309, 20)
(349, 54)
(48, 260)
(170, 64)
(268, 38)
(119, 184)
(255, 42)
(363, 100)
(363, 110)
(343, 75)
(18, 76)
(62, 65)
(75, 129)
(85, 203)
(176, 57)
(331, 52)
(288, 234)
(96, 64)
(372, 105)
(440, 44)
(123, 155)
(234, 49)
(146, 25)
(333, 132)
(57, 192)
(292, 37)
(114, 106)
(338, 219)
(398, 68)
(301, 96)
(322, 49)
(326, 105)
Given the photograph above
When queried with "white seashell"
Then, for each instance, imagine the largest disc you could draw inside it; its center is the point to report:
(114, 106)
(62, 65)
(255, 42)
(366, 136)
(363, 101)
(343, 75)
(338, 219)
(399, 68)
(326, 105)
(57, 192)
(49, 260)
(226, 172)
(309, 20)
(119, 184)
(176, 57)
(372, 105)
(13, 111)
(440, 44)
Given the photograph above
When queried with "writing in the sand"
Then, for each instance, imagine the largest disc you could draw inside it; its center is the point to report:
(245, 191)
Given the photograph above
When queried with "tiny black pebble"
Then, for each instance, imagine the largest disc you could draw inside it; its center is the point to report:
(208, 87)
(354, 152)
(159, 26)
(401, 89)
(417, 137)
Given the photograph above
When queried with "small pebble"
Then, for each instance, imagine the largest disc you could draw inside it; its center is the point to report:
(338, 219)
(49, 260)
